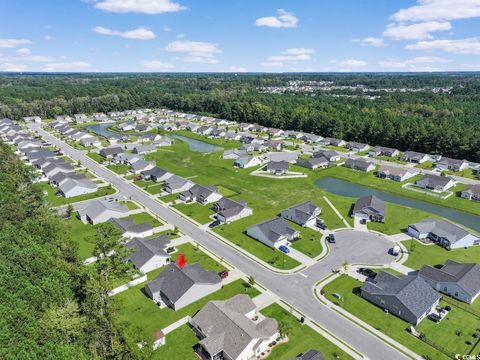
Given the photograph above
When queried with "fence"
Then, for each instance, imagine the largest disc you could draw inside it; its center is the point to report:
(128, 285)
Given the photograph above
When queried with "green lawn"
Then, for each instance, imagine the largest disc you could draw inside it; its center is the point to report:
(398, 218)
(467, 173)
(309, 242)
(138, 311)
(169, 198)
(420, 254)
(194, 255)
(55, 200)
(119, 169)
(301, 338)
(130, 204)
(144, 183)
(83, 235)
(178, 345)
(389, 324)
(428, 165)
(337, 148)
(226, 191)
(145, 217)
(395, 159)
(97, 157)
(155, 189)
(198, 212)
(227, 144)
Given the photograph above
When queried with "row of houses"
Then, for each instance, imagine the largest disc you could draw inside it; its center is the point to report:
(83, 138)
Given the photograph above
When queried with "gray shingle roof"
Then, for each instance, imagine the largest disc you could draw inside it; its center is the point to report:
(370, 205)
(227, 328)
(174, 282)
(227, 207)
(311, 355)
(467, 276)
(128, 225)
(144, 250)
(435, 180)
(304, 211)
(411, 290)
(357, 164)
(441, 228)
(275, 229)
(277, 166)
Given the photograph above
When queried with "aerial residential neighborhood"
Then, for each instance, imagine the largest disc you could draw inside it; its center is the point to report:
(241, 180)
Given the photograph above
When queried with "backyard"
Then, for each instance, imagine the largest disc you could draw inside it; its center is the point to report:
(55, 200)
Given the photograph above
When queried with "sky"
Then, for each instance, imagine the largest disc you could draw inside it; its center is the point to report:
(239, 35)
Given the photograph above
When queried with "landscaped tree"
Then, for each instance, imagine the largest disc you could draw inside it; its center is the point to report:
(251, 280)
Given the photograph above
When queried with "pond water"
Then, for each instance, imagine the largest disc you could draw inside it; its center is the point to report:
(103, 130)
(345, 188)
(197, 145)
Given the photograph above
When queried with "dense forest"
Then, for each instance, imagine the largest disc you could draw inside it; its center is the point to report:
(446, 122)
(52, 306)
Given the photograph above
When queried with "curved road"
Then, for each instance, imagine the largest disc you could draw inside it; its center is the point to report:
(296, 289)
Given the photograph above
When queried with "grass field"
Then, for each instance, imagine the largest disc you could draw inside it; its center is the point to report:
(119, 169)
(130, 204)
(83, 235)
(178, 345)
(55, 200)
(198, 212)
(309, 242)
(420, 254)
(389, 324)
(145, 217)
(337, 148)
(301, 338)
(395, 159)
(97, 157)
(427, 165)
(154, 189)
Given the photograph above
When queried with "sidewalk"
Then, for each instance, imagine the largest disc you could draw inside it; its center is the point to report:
(265, 299)
(337, 212)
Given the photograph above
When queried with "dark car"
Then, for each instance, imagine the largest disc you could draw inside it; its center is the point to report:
(367, 272)
(331, 238)
(321, 225)
(213, 224)
(223, 274)
(363, 221)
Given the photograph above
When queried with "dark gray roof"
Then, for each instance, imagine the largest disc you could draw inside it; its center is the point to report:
(174, 282)
(467, 276)
(413, 155)
(127, 224)
(143, 250)
(436, 180)
(357, 164)
(370, 205)
(200, 191)
(112, 150)
(60, 176)
(411, 290)
(275, 229)
(227, 329)
(304, 211)
(277, 166)
(228, 207)
(155, 171)
(311, 355)
(312, 161)
(328, 154)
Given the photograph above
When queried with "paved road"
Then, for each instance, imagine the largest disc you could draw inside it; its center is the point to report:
(296, 289)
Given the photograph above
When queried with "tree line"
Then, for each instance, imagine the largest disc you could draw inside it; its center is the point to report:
(445, 123)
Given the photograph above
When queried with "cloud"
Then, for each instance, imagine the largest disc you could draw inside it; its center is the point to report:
(24, 51)
(67, 66)
(352, 63)
(196, 51)
(370, 41)
(271, 64)
(392, 64)
(418, 31)
(157, 65)
(166, 29)
(13, 67)
(430, 10)
(136, 34)
(48, 38)
(284, 19)
(469, 46)
(412, 64)
(11, 43)
(291, 55)
(139, 6)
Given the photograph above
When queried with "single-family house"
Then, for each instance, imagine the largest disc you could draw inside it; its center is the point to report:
(277, 167)
(144, 149)
(141, 165)
(311, 354)
(54, 168)
(304, 214)
(178, 286)
(435, 183)
(233, 329)
(443, 233)
(149, 137)
(313, 163)
(99, 211)
(415, 157)
(460, 281)
(407, 296)
(130, 229)
(166, 141)
(370, 208)
(330, 155)
(76, 187)
(126, 126)
(396, 173)
(228, 210)
(156, 174)
(359, 164)
(201, 194)
(357, 147)
(273, 233)
(90, 141)
(472, 192)
(59, 178)
(175, 184)
(334, 142)
(383, 151)
(451, 164)
(247, 161)
(233, 154)
(80, 118)
(111, 152)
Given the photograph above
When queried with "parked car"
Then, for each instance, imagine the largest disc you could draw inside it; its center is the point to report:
(223, 274)
(213, 224)
(284, 249)
(363, 221)
(331, 238)
(367, 272)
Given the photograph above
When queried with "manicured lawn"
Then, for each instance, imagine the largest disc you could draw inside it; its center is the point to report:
(428, 165)
(226, 191)
(395, 159)
(337, 148)
(301, 338)
(420, 254)
(155, 189)
(55, 200)
(83, 235)
(144, 183)
(145, 217)
(198, 212)
(138, 311)
(398, 218)
(194, 255)
(467, 173)
(309, 243)
(119, 169)
(178, 345)
(227, 144)
(130, 204)
(389, 324)
(97, 157)
(169, 198)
